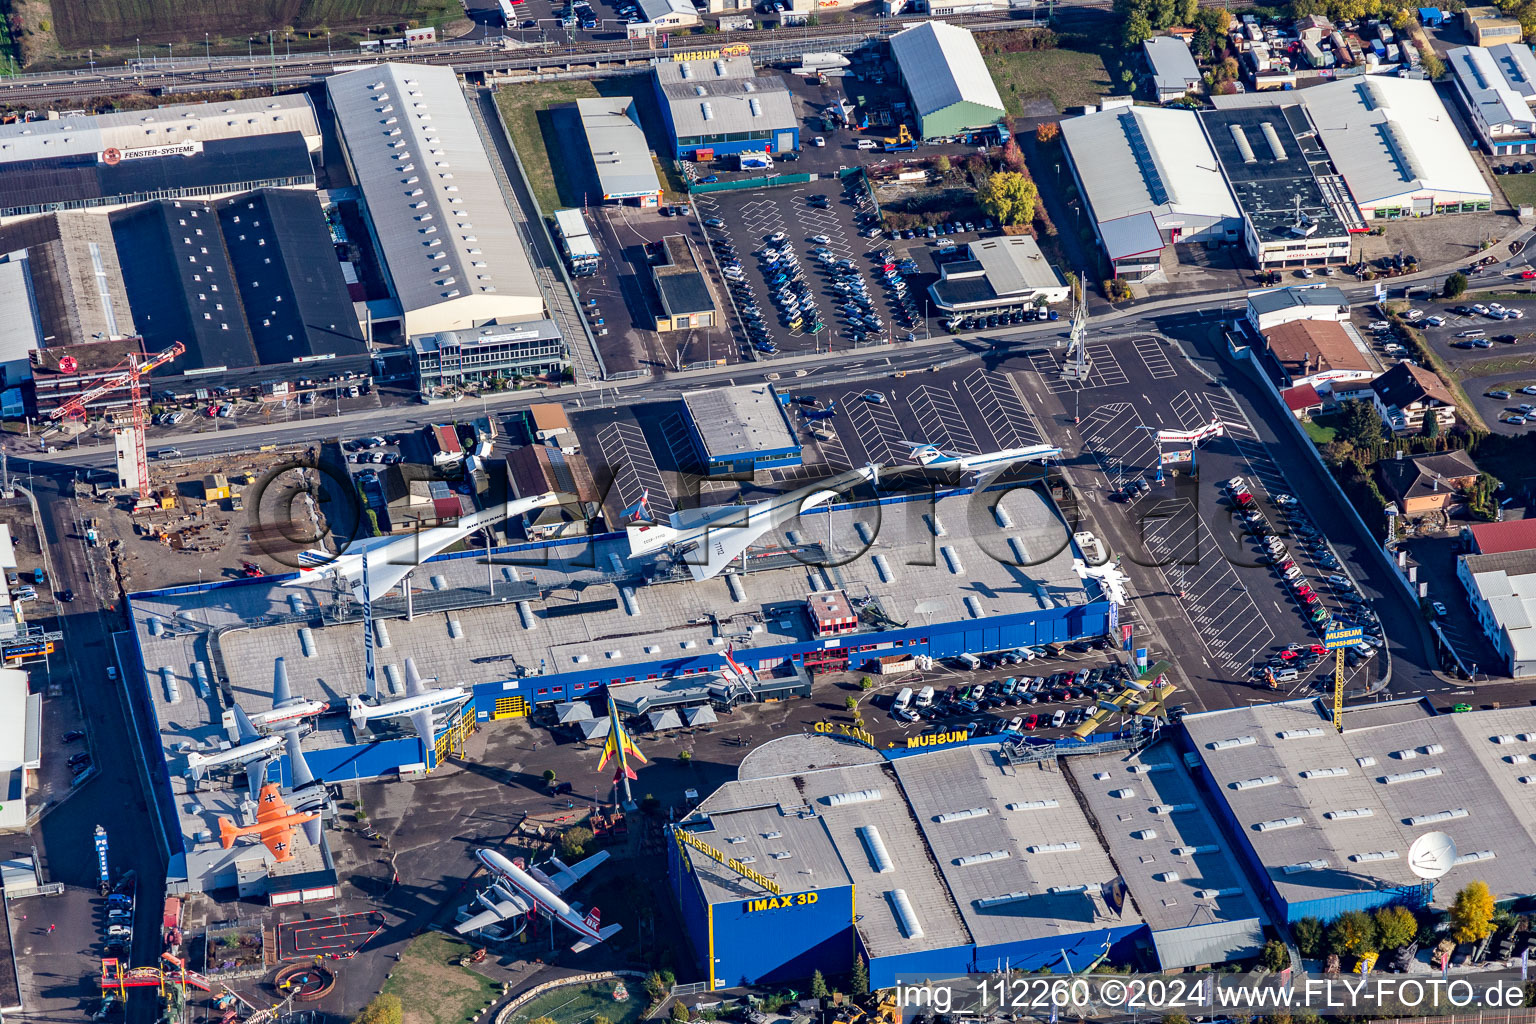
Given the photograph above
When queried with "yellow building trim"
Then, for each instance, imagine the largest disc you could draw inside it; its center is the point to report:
(709, 909)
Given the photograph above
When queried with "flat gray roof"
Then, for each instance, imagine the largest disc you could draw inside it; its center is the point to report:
(1368, 793)
(827, 850)
(712, 97)
(740, 420)
(1171, 853)
(625, 167)
(1022, 841)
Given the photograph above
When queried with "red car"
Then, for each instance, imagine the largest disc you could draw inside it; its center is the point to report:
(1287, 655)
(1526, 275)
(1031, 721)
(1318, 649)
(1304, 591)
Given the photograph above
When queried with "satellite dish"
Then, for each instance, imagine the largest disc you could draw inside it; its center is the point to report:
(1432, 855)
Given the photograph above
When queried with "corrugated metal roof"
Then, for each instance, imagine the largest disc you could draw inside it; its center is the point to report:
(617, 143)
(942, 66)
(1483, 81)
(1392, 137)
(1147, 159)
(424, 172)
(710, 97)
(1173, 67)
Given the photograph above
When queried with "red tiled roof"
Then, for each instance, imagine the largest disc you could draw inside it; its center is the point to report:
(1498, 538)
(1302, 398)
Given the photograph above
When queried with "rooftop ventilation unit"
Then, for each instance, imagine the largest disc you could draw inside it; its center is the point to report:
(1374, 855)
(973, 605)
(1431, 749)
(1004, 899)
(1240, 139)
(970, 812)
(858, 796)
(1352, 812)
(708, 111)
(781, 855)
(1123, 794)
(684, 70)
(1236, 741)
(952, 560)
(1406, 754)
(902, 908)
(1067, 847)
(1366, 761)
(1258, 783)
(1520, 758)
(773, 835)
(1211, 894)
(1528, 780)
(1190, 851)
(1299, 734)
(1170, 808)
(875, 846)
(884, 569)
(1276, 824)
(1033, 805)
(736, 839)
(1145, 834)
(1324, 773)
(1430, 819)
(754, 107)
(1306, 865)
(1066, 890)
(973, 859)
(1416, 774)
(1474, 857)
(1166, 876)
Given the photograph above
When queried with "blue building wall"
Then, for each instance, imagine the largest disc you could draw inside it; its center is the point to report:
(691, 905)
(1061, 953)
(924, 963)
(757, 943)
(747, 142)
(743, 461)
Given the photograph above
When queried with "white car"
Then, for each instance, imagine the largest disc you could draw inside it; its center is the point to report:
(821, 239)
(1016, 723)
(1380, 325)
(1439, 608)
(1340, 581)
(1414, 314)
(1529, 389)
(1235, 484)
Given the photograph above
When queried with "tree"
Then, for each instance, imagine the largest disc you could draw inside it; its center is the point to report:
(383, 1009)
(1471, 916)
(866, 683)
(542, 1020)
(1307, 933)
(1188, 11)
(1274, 956)
(818, 986)
(680, 1012)
(1455, 286)
(600, 1019)
(1431, 426)
(1012, 158)
(850, 702)
(1360, 425)
(941, 164)
(655, 987)
(1047, 131)
(858, 978)
(1395, 926)
(1136, 30)
(685, 756)
(1337, 452)
(1008, 197)
(549, 776)
(1352, 934)
(574, 842)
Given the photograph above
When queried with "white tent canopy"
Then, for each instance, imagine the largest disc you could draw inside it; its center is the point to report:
(663, 720)
(594, 728)
(702, 715)
(570, 714)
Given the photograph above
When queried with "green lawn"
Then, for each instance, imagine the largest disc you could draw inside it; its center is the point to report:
(1066, 77)
(1319, 434)
(580, 1004)
(1519, 188)
(433, 988)
(526, 109)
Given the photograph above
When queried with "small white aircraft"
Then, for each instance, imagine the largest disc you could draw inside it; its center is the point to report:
(390, 558)
(987, 464)
(253, 750)
(709, 539)
(420, 704)
(1108, 576)
(518, 891)
(286, 708)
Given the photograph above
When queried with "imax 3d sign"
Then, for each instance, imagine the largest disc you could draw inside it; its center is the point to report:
(112, 156)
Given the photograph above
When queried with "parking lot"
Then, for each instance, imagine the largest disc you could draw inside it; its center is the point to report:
(1492, 346)
(1214, 552)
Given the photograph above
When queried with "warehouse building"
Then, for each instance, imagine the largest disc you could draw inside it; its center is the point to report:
(1396, 146)
(1326, 819)
(621, 158)
(1002, 273)
(409, 125)
(1150, 179)
(681, 287)
(719, 106)
(252, 281)
(1501, 589)
(1290, 200)
(895, 862)
(1497, 85)
(740, 429)
(104, 162)
(73, 276)
(946, 80)
(1271, 307)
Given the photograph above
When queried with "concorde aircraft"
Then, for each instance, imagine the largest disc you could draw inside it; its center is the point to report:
(709, 539)
(420, 704)
(390, 558)
(517, 891)
(986, 464)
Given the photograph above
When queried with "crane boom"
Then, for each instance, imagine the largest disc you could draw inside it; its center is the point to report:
(128, 372)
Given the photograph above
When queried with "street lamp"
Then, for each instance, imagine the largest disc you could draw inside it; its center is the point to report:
(207, 51)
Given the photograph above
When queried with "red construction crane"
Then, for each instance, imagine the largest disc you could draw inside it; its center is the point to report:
(127, 372)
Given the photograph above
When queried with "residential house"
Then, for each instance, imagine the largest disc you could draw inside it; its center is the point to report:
(540, 469)
(1318, 352)
(1303, 401)
(1427, 484)
(1406, 394)
(1271, 307)
(1174, 72)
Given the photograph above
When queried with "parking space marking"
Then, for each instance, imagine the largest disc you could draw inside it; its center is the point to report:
(1011, 422)
(634, 470)
(1186, 409)
(1117, 442)
(878, 430)
(1106, 367)
(939, 420)
(1104, 372)
(1151, 352)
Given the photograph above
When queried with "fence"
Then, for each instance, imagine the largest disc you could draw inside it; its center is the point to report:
(524, 998)
(771, 181)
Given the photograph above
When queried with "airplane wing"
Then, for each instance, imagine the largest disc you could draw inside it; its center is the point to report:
(301, 776)
(243, 727)
(281, 693)
(426, 726)
(563, 877)
(256, 776)
(494, 914)
(414, 687)
(271, 803)
(280, 842)
(724, 543)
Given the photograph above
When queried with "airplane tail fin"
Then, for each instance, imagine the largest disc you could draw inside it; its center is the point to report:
(602, 936)
(647, 538)
(592, 919)
(227, 832)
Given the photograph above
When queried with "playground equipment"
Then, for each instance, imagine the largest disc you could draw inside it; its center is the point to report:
(305, 983)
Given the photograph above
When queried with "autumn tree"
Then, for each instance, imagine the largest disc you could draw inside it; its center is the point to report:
(1471, 916)
(1395, 926)
(1008, 197)
(1012, 157)
(574, 842)
(1308, 935)
(1047, 131)
(1352, 934)
(385, 1009)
